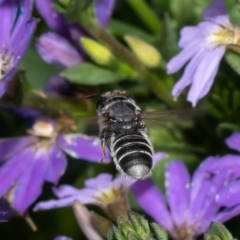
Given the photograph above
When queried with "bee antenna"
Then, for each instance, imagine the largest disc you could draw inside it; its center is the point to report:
(91, 96)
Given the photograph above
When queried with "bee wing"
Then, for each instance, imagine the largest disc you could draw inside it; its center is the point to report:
(168, 118)
(90, 124)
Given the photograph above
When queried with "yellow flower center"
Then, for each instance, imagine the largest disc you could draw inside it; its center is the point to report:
(110, 195)
(225, 35)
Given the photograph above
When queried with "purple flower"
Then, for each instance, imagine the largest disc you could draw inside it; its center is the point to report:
(17, 28)
(102, 8)
(101, 191)
(28, 161)
(203, 47)
(190, 205)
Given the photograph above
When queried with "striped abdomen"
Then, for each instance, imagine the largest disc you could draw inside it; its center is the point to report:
(132, 153)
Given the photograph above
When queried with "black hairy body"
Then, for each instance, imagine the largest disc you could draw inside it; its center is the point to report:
(124, 132)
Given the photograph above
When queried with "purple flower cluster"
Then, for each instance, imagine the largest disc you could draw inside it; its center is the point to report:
(203, 47)
(192, 203)
(28, 161)
(17, 28)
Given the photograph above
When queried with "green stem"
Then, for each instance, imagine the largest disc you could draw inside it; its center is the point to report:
(146, 14)
(121, 52)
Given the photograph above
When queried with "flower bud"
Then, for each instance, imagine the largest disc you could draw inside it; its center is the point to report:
(136, 227)
(145, 52)
(100, 54)
(55, 49)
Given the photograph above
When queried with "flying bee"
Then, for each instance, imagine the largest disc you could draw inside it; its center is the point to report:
(124, 132)
(122, 129)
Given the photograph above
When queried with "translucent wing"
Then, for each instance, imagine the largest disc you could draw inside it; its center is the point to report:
(172, 117)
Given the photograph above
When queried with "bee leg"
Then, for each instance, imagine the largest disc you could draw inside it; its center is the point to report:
(103, 150)
(102, 138)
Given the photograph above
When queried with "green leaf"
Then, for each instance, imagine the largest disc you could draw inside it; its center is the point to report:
(75, 7)
(233, 59)
(33, 65)
(228, 126)
(169, 38)
(90, 74)
(218, 231)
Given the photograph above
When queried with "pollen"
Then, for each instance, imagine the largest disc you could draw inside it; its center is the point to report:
(109, 196)
(43, 128)
(224, 35)
(6, 62)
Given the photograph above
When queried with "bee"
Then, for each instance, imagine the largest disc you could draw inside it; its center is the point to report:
(122, 128)
(124, 132)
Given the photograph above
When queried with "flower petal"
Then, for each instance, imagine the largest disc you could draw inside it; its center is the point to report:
(57, 164)
(152, 202)
(233, 141)
(188, 34)
(177, 181)
(199, 188)
(229, 162)
(123, 182)
(183, 57)
(210, 208)
(29, 185)
(227, 214)
(65, 191)
(63, 202)
(187, 76)
(229, 195)
(217, 8)
(8, 13)
(55, 20)
(100, 182)
(205, 73)
(20, 42)
(55, 49)
(103, 10)
(4, 82)
(82, 146)
(11, 146)
(13, 168)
